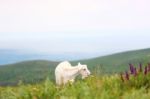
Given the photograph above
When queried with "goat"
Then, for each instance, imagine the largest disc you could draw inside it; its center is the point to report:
(64, 72)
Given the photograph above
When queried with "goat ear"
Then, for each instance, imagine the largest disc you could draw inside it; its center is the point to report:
(79, 63)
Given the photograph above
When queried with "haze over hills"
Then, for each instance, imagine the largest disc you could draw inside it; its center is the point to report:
(38, 70)
(13, 56)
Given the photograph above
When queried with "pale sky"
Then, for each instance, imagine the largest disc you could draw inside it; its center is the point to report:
(74, 26)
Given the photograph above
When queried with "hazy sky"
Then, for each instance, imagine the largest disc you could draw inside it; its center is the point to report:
(74, 26)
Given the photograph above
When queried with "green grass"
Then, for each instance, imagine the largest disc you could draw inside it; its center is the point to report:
(93, 87)
(96, 86)
(37, 71)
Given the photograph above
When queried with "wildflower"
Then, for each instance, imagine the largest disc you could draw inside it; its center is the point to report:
(131, 68)
(126, 75)
(145, 71)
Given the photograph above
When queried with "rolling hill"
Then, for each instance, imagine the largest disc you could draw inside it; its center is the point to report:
(38, 70)
(27, 71)
(119, 62)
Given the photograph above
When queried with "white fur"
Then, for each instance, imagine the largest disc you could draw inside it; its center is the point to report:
(64, 72)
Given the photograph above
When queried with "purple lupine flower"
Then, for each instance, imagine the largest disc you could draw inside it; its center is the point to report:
(140, 67)
(126, 75)
(131, 68)
(145, 71)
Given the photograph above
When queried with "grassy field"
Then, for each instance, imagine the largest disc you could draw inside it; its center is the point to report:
(130, 83)
(93, 87)
(38, 70)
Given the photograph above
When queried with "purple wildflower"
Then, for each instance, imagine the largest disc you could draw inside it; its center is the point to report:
(131, 68)
(145, 71)
(126, 75)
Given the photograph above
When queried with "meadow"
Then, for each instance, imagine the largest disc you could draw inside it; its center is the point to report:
(36, 71)
(130, 84)
(112, 78)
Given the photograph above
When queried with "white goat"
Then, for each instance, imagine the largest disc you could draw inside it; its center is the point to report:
(64, 72)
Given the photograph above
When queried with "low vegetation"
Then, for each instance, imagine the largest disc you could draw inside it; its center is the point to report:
(133, 83)
(111, 79)
(28, 72)
(38, 70)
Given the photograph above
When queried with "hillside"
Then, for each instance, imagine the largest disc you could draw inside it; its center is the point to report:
(38, 70)
(27, 71)
(119, 62)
